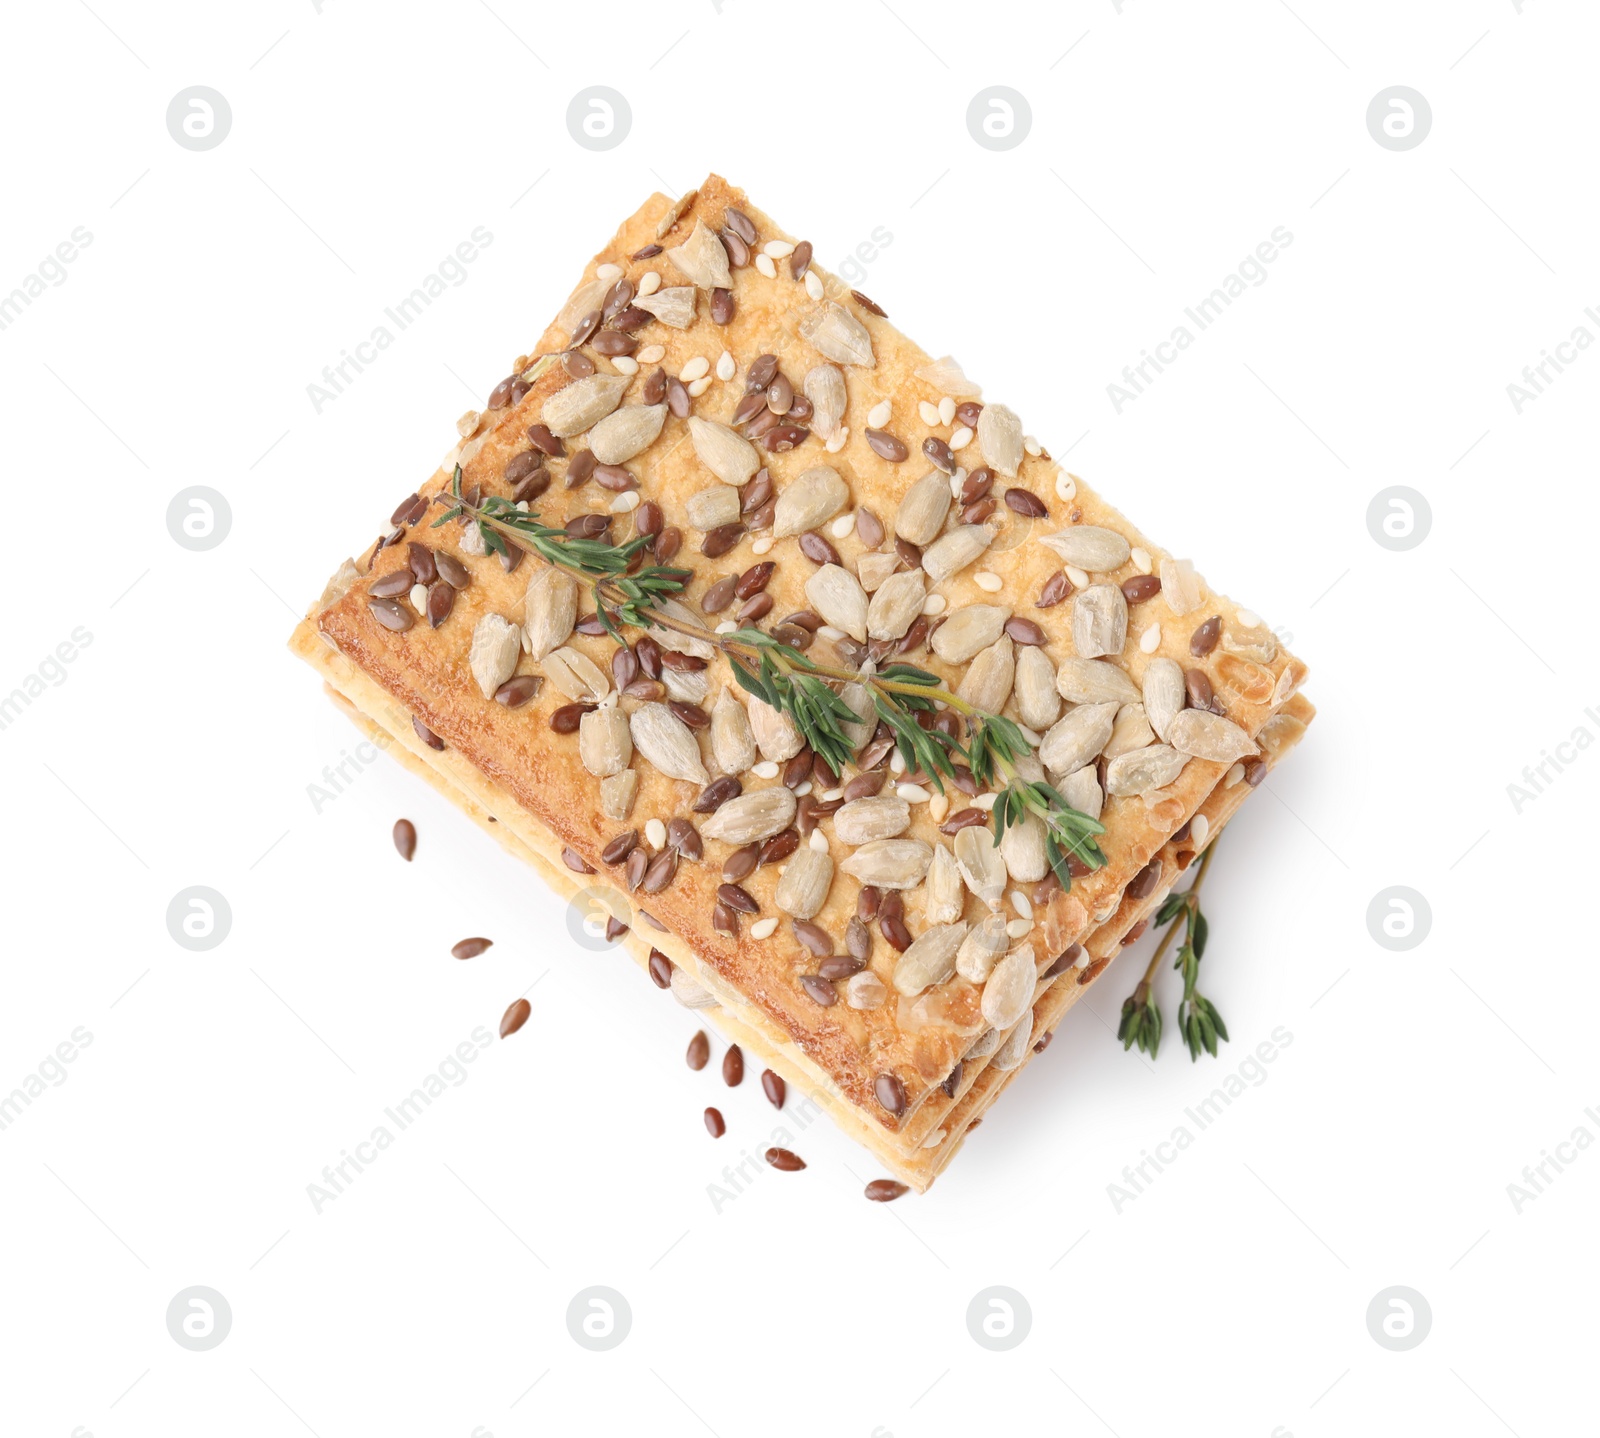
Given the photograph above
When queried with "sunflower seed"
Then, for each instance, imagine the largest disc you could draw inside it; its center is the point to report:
(1014, 1050)
(874, 569)
(582, 404)
(890, 863)
(727, 455)
(858, 699)
(668, 743)
(549, 611)
(981, 865)
(812, 499)
(732, 744)
(1181, 587)
(750, 817)
(1208, 736)
(626, 432)
(776, 735)
(1000, 439)
(930, 960)
(863, 820)
(709, 509)
(944, 897)
(604, 744)
(493, 656)
(923, 508)
(836, 594)
(673, 306)
(1099, 621)
(617, 793)
(896, 601)
(701, 259)
(987, 683)
(1250, 641)
(865, 990)
(824, 387)
(837, 335)
(980, 951)
(1088, 547)
(1163, 694)
(955, 551)
(1022, 848)
(587, 297)
(1153, 767)
(576, 675)
(987, 1042)
(1009, 989)
(803, 889)
(1081, 789)
(1078, 737)
(968, 631)
(1095, 681)
(690, 994)
(1038, 703)
(1131, 731)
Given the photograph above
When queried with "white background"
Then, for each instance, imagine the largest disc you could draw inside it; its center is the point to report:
(1167, 141)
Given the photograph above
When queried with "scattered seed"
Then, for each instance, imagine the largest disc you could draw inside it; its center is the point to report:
(781, 1158)
(774, 1087)
(471, 948)
(405, 838)
(714, 1123)
(733, 1066)
(514, 1018)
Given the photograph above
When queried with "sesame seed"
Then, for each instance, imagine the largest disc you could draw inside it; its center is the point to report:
(1032, 445)
(985, 801)
(1141, 560)
(778, 249)
(1033, 736)
(696, 367)
(929, 412)
(844, 524)
(1022, 904)
(1235, 774)
(625, 364)
(961, 438)
(726, 627)
(913, 793)
(1082, 961)
(879, 414)
(652, 354)
(832, 635)
(1200, 828)
(419, 598)
(649, 282)
(608, 272)
(765, 265)
(934, 604)
(1066, 486)
(1150, 640)
(947, 410)
(841, 435)
(762, 545)
(829, 795)
(1019, 928)
(819, 841)
(802, 790)
(766, 769)
(626, 502)
(938, 807)
(957, 479)
(1079, 579)
(700, 386)
(987, 580)
(655, 832)
(763, 928)
(814, 285)
(1249, 618)
(897, 763)
(726, 368)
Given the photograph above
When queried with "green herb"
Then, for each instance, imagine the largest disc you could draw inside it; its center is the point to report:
(627, 593)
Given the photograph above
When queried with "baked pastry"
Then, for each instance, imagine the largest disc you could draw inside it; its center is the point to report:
(720, 496)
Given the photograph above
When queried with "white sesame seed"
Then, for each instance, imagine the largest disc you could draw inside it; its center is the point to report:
(934, 604)
(802, 790)
(1032, 445)
(957, 479)
(1033, 736)
(655, 833)
(985, 801)
(696, 367)
(524, 506)
(986, 580)
(1141, 560)
(961, 438)
(1235, 774)
(765, 265)
(419, 598)
(626, 502)
(1079, 579)
(1200, 828)
(841, 435)
(649, 282)
(726, 627)
(897, 762)
(700, 386)
(1150, 640)
(652, 354)
(913, 793)
(814, 285)
(938, 807)
(1249, 618)
(879, 414)
(726, 368)
(778, 249)
(608, 272)
(819, 841)
(763, 928)
(1083, 960)
(1019, 928)
(1066, 486)
(766, 769)
(829, 795)
(625, 364)
(947, 410)
(1022, 904)
(762, 545)
(929, 412)
(844, 524)
(828, 632)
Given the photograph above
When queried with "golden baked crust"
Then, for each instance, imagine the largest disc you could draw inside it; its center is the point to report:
(426, 671)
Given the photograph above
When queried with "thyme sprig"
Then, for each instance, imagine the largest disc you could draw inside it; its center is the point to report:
(1198, 1019)
(629, 593)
